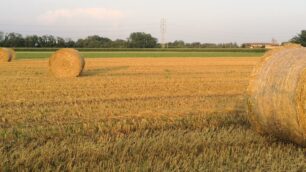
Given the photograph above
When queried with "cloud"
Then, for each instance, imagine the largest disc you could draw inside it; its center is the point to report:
(80, 14)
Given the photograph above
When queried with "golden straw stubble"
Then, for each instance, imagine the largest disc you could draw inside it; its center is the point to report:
(276, 95)
(66, 63)
(5, 55)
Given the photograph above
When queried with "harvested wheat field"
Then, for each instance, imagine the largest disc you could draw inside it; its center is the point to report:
(144, 114)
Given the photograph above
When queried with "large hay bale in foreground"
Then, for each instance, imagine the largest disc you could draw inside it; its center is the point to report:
(66, 63)
(277, 95)
(5, 55)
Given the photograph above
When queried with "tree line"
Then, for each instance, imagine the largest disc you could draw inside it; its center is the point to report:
(135, 40)
(300, 38)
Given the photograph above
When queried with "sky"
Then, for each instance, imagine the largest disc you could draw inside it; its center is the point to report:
(209, 21)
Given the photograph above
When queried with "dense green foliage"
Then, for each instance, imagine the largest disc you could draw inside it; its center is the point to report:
(182, 44)
(94, 41)
(300, 38)
(142, 40)
(135, 40)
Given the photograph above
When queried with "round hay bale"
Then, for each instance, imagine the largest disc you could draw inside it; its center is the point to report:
(66, 63)
(5, 55)
(13, 54)
(277, 95)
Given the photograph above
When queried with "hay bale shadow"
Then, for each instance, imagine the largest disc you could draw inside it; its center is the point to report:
(99, 71)
(233, 119)
(237, 117)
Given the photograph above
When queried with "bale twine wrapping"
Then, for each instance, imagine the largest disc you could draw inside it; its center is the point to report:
(5, 55)
(277, 95)
(66, 63)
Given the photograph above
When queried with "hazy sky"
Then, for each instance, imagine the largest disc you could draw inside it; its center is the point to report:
(188, 20)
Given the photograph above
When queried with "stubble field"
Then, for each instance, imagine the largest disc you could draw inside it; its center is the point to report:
(135, 114)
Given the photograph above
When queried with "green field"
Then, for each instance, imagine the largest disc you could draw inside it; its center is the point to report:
(150, 49)
(38, 55)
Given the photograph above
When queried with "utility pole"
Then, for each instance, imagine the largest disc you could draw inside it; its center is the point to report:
(163, 31)
(274, 41)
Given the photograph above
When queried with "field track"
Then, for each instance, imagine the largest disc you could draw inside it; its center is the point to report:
(135, 114)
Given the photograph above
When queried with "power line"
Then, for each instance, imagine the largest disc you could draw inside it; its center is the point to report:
(163, 30)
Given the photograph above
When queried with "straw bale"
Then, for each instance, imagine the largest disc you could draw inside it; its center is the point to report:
(277, 95)
(66, 63)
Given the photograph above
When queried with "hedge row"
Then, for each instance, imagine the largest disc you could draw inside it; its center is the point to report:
(152, 49)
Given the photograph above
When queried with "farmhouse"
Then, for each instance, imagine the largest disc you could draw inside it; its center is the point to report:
(260, 45)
